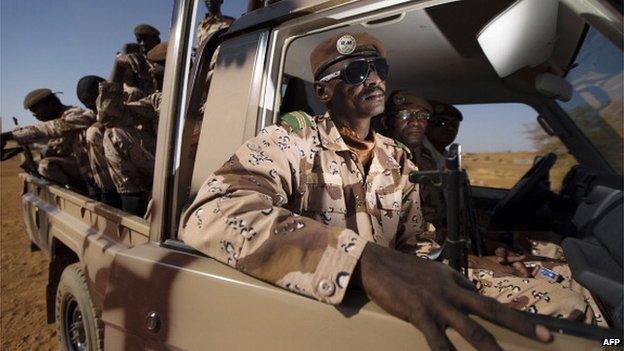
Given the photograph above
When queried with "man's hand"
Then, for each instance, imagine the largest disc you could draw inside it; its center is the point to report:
(128, 61)
(504, 262)
(432, 297)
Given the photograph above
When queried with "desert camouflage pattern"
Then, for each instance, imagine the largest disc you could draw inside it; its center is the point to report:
(57, 147)
(565, 299)
(209, 25)
(294, 207)
(61, 170)
(117, 109)
(432, 198)
(97, 158)
(129, 140)
(140, 66)
(130, 156)
(66, 138)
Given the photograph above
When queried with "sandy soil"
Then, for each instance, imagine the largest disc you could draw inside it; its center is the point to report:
(23, 275)
(504, 169)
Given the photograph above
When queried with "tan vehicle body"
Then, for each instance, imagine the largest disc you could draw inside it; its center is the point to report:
(134, 272)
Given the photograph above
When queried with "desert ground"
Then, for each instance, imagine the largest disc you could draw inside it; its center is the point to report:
(504, 169)
(23, 275)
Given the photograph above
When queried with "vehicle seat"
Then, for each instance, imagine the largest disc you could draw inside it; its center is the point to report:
(596, 259)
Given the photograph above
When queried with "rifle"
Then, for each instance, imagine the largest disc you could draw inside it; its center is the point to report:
(29, 164)
(455, 247)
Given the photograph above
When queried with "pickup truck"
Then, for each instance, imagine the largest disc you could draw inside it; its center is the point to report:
(121, 282)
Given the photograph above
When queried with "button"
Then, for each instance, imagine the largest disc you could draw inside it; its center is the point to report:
(326, 288)
(153, 322)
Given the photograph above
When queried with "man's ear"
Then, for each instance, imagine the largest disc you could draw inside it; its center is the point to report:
(323, 91)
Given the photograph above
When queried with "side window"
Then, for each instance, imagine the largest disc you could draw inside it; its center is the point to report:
(500, 143)
(596, 105)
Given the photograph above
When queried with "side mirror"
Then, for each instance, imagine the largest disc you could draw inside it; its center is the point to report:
(522, 35)
(553, 86)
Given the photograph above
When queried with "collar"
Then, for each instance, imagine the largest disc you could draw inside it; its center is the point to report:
(331, 139)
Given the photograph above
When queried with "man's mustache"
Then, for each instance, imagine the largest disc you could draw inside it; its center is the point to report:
(372, 90)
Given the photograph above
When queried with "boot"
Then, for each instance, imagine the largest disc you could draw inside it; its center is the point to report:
(111, 198)
(135, 203)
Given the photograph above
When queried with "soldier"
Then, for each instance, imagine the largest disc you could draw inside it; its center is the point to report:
(130, 136)
(61, 126)
(441, 130)
(318, 204)
(406, 118)
(87, 92)
(212, 21)
(147, 38)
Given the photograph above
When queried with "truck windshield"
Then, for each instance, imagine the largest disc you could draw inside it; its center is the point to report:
(596, 105)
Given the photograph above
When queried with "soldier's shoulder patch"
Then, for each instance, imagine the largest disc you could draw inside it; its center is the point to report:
(297, 120)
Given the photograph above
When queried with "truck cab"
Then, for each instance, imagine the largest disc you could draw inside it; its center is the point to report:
(135, 285)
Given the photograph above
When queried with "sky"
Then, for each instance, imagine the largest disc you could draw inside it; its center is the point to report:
(53, 43)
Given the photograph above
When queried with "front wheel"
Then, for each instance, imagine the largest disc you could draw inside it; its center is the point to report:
(80, 327)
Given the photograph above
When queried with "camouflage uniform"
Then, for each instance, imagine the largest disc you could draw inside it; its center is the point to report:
(66, 158)
(95, 140)
(209, 25)
(432, 199)
(294, 207)
(129, 140)
(141, 70)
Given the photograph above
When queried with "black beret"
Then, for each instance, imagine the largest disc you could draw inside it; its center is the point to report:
(441, 108)
(87, 85)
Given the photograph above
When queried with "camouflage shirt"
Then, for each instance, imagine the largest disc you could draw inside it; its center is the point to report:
(114, 110)
(66, 136)
(209, 25)
(294, 207)
(73, 120)
(432, 198)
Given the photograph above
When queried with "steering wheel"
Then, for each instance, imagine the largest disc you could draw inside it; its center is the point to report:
(525, 185)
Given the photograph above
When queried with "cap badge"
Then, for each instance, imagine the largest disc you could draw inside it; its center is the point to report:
(398, 99)
(346, 44)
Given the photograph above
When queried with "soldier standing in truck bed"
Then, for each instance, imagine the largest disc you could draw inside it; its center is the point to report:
(65, 161)
(212, 21)
(130, 133)
(147, 37)
(318, 204)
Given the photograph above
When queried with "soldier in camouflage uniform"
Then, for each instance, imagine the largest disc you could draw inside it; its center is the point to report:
(136, 64)
(441, 130)
(212, 21)
(405, 119)
(130, 136)
(65, 160)
(318, 204)
(87, 92)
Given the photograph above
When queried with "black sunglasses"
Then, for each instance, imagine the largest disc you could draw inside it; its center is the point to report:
(442, 121)
(357, 71)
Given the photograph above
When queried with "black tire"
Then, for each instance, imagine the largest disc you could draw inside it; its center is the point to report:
(79, 322)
